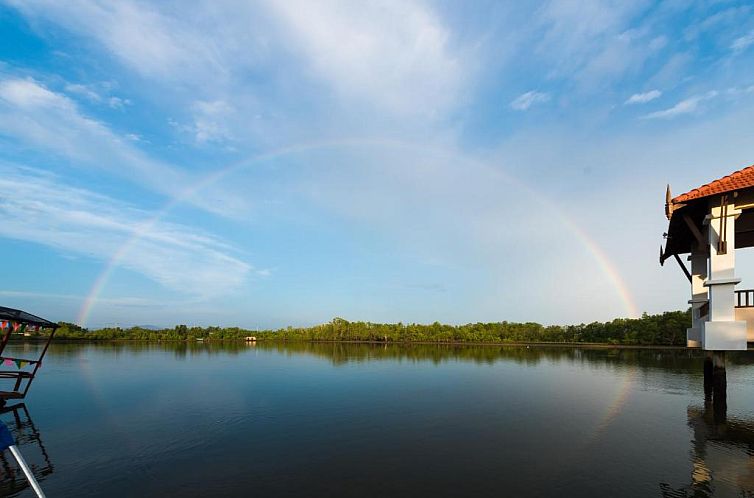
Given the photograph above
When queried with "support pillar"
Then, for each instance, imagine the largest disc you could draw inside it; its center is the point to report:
(716, 385)
(698, 259)
(721, 331)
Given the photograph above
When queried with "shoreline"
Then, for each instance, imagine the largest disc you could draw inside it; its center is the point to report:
(590, 345)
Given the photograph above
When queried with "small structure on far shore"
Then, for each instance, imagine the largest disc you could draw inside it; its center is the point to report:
(709, 223)
(251, 338)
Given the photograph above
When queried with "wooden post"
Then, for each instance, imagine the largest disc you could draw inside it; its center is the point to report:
(698, 259)
(716, 384)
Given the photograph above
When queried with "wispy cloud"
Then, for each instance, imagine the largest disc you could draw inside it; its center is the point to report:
(738, 91)
(592, 42)
(149, 42)
(528, 99)
(210, 120)
(40, 208)
(209, 123)
(395, 54)
(643, 98)
(266, 75)
(289, 70)
(743, 42)
(725, 20)
(39, 117)
(95, 95)
(685, 106)
(126, 302)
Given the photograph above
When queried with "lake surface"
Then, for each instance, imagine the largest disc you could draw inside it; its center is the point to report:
(367, 420)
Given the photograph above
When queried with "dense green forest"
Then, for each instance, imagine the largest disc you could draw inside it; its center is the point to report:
(662, 329)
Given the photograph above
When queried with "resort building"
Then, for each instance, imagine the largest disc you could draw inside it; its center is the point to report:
(708, 224)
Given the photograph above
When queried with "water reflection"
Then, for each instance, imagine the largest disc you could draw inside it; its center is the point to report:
(672, 360)
(356, 419)
(29, 442)
(722, 448)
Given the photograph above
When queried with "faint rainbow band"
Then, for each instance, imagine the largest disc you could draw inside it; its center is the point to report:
(592, 246)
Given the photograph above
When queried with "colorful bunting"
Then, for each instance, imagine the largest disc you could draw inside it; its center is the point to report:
(21, 363)
(19, 327)
(8, 363)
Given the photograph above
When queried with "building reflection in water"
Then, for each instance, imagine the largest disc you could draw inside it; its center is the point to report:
(722, 449)
(29, 442)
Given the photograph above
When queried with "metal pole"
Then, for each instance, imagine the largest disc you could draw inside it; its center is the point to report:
(27, 471)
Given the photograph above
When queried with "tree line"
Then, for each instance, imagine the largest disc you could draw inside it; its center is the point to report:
(667, 329)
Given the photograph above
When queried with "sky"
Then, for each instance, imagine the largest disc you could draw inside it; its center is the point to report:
(267, 163)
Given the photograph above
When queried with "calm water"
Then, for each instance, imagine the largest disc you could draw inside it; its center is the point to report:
(359, 420)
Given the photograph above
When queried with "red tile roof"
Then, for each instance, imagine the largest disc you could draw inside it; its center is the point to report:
(743, 178)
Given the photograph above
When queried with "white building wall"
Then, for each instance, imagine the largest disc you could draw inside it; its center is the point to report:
(721, 331)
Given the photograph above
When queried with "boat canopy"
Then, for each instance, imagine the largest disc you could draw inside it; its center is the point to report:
(22, 317)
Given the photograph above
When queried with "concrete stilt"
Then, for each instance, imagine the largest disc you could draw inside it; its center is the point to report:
(716, 385)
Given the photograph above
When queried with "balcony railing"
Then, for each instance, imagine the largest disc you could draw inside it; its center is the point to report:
(745, 298)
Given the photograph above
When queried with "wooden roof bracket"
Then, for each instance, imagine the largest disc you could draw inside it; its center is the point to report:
(683, 267)
(700, 239)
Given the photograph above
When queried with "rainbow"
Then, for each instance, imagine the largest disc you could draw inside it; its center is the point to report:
(605, 264)
(619, 401)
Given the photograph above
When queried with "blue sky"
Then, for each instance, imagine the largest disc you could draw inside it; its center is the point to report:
(271, 163)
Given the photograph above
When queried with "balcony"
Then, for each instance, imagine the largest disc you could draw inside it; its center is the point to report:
(745, 311)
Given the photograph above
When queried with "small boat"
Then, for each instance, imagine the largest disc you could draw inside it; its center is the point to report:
(21, 369)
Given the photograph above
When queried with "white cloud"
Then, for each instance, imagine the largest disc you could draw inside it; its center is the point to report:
(643, 98)
(685, 106)
(151, 43)
(591, 41)
(210, 120)
(38, 207)
(27, 94)
(117, 102)
(393, 55)
(737, 91)
(95, 95)
(343, 64)
(721, 21)
(85, 91)
(41, 118)
(125, 302)
(528, 99)
(743, 42)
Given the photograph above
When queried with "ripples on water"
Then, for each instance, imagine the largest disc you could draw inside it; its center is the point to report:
(374, 420)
